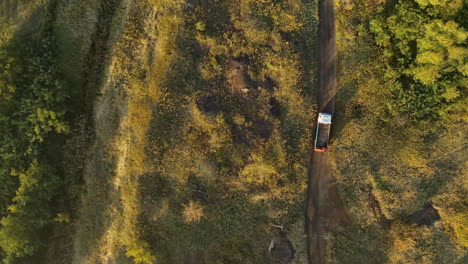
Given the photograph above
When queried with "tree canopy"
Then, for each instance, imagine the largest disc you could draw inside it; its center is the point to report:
(426, 54)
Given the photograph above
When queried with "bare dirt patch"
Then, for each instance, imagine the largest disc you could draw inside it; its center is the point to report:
(196, 258)
(283, 250)
(239, 79)
(209, 104)
(427, 216)
(263, 128)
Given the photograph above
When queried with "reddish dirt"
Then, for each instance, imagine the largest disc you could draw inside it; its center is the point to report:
(325, 209)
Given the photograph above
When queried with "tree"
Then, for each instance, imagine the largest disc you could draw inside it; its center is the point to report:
(29, 212)
(426, 54)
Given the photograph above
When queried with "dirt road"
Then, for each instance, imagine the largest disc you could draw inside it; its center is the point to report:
(325, 210)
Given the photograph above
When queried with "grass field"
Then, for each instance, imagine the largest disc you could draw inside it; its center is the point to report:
(196, 107)
(403, 182)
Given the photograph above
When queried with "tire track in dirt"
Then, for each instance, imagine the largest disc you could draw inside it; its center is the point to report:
(324, 209)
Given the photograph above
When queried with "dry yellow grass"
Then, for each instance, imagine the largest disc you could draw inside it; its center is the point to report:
(193, 212)
(152, 82)
(128, 101)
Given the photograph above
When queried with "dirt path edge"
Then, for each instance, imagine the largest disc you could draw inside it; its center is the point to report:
(324, 207)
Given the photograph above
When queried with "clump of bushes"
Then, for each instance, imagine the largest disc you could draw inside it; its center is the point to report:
(401, 90)
(29, 213)
(140, 253)
(32, 107)
(426, 55)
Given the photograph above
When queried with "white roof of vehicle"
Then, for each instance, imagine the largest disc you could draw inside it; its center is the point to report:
(325, 118)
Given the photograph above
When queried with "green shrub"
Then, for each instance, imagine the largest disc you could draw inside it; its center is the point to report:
(426, 55)
(62, 218)
(200, 26)
(140, 252)
(399, 83)
(20, 232)
(32, 107)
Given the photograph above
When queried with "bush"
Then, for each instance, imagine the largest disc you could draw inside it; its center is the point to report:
(32, 106)
(20, 233)
(140, 252)
(399, 84)
(200, 26)
(426, 55)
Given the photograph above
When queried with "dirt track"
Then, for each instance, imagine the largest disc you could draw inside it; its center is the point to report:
(325, 209)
